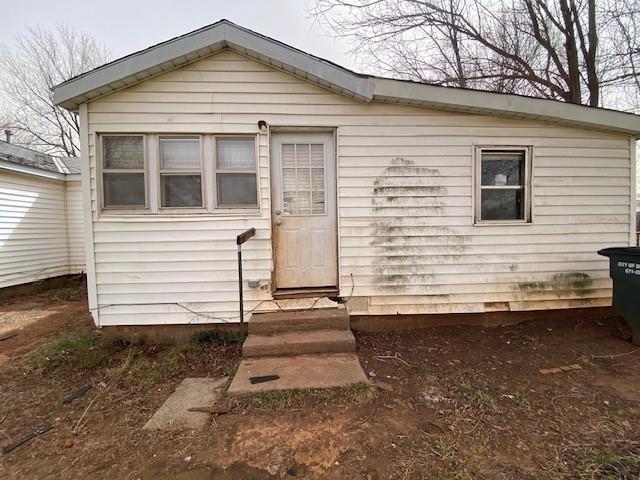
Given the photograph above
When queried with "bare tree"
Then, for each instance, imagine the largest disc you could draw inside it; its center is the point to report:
(40, 60)
(578, 51)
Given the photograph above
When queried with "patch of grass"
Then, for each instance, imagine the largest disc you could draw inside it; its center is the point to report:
(69, 351)
(71, 293)
(476, 397)
(287, 399)
(144, 372)
(609, 465)
(360, 392)
(521, 401)
(462, 475)
(176, 354)
(420, 367)
(444, 450)
(181, 352)
(68, 343)
(480, 451)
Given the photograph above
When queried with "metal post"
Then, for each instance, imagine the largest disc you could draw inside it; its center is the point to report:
(240, 282)
(240, 239)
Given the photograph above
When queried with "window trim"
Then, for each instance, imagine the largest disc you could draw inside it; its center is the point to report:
(526, 187)
(101, 171)
(168, 172)
(226, 208)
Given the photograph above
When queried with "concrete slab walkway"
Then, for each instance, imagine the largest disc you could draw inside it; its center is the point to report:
(301, 371)
(192, 392)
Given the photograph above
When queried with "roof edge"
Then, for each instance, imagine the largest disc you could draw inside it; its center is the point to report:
(201, 43)
(206, 41)
(39, 172)
(503, 104)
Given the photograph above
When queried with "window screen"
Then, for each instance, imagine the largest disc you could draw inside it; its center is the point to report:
(180, 172)
(503, 186)
(123, 171)
(236, 172)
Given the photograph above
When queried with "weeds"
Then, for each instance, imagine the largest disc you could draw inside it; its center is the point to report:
(144, 373)
(420, 367)
(476, 397)
(608, 465)
(521, 401)
(480, 451)
(444, 450)
(69, 351)
(218, 337)
(288, 399)
(361, 392)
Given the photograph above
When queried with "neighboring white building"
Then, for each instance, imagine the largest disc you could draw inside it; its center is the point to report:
(398, 197)
(41, 226)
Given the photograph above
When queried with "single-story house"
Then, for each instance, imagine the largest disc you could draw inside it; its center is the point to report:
(41, 225)
(396, 197)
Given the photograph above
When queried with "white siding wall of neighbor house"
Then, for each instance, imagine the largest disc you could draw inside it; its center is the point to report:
(75, 226)
(407, 240)
(35, 229)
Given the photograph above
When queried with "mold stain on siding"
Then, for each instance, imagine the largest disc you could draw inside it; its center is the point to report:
(400, 238)
(560, 283)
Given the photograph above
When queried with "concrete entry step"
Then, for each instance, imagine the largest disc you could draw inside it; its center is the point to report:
(280, 322)
(299, 343)
(304, 371)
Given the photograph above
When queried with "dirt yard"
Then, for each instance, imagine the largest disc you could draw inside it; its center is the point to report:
(448, 403)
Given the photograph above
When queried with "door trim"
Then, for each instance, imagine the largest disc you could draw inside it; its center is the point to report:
(275, 129)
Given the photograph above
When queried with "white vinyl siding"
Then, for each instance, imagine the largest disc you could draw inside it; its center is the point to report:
(405, 204)
(40, 228)
(75, 225)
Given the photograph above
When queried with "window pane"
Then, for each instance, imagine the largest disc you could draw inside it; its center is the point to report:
(236, 153)
(179, 153)
(237, 189)
(123, 152)
(124, 190)
(181, 190)
(304, 202)
(317, 199)
(502, 205)
(288, 155)
(317, 155)
(502, 168)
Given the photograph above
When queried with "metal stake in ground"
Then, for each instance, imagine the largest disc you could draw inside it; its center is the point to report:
(44, 428)
(240, 239)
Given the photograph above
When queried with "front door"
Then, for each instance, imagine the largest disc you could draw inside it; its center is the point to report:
(304, 210)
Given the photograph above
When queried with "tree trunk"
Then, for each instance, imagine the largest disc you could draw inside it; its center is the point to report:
(571, 50)
(593, 81)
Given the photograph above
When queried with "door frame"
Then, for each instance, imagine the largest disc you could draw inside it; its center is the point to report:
(333, 131)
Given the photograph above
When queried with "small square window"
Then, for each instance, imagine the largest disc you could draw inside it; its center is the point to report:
(236, 172)
(503, 192)
(123, 171)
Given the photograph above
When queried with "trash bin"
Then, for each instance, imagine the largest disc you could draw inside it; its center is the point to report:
(624, 269)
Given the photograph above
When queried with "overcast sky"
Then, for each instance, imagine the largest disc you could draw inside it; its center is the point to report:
(126, 26)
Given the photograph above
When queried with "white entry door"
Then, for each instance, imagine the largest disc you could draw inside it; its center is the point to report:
(304, 210)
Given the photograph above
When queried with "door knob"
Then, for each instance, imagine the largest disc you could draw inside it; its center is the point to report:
(278, 212)
(278, 222)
